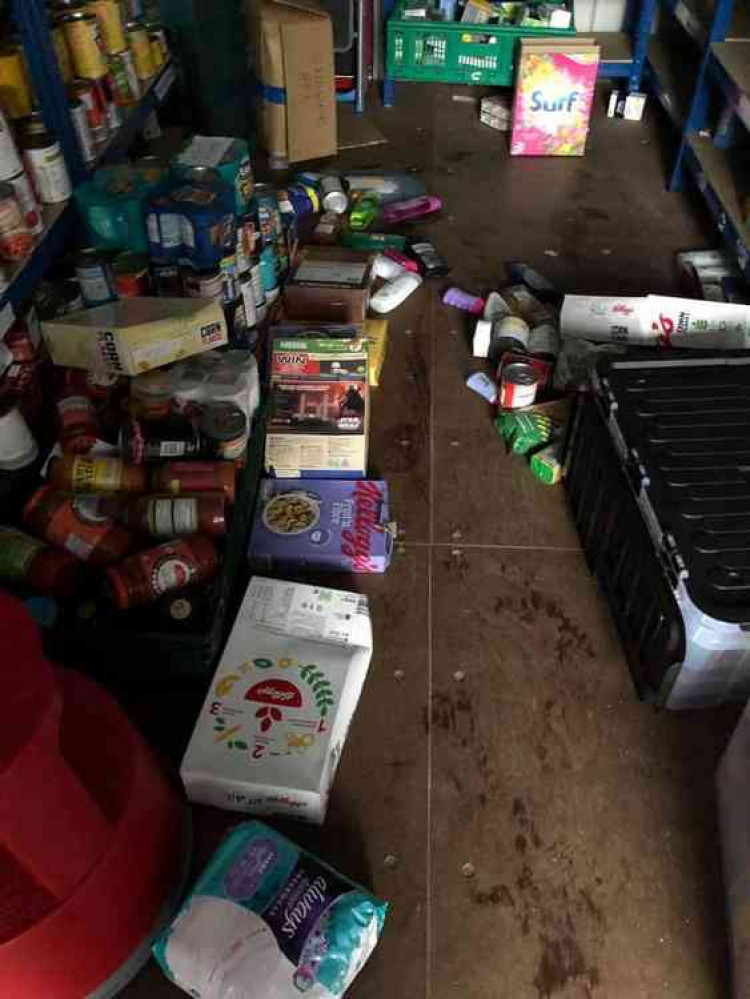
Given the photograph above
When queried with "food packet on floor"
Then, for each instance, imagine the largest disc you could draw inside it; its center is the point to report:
(524, 432)
(267, 920)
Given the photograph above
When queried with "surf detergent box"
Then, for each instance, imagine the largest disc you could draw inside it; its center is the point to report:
(337, 525)
(554, 96)
(270, 734)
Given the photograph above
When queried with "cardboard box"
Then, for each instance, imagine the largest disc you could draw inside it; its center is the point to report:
(135, 334)
(329, 284)
(271, 731)
(373, 331)
(319, 409)
(294, 66)
(332, 524)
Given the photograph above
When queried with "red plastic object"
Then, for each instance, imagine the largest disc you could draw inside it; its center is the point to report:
(92, 837)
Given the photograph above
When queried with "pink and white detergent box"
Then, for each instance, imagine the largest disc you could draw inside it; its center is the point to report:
(327, 524)
(554, 96)
(270, 734)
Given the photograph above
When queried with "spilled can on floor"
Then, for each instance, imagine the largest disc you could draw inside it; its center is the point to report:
(518, 385)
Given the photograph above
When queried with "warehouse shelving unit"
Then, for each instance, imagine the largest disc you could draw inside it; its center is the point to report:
(61, 220)
(717, 36)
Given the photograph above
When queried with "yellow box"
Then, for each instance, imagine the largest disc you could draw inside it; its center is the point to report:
(375, 331)
(135, 334)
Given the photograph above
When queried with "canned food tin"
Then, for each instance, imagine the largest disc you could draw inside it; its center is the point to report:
(49, 175)
(518, 385)
(131, 275)
(95, 278)
(86, 45)
(113, 114)
(225, 425)
(26, 198)
(64, 62)
(204, 284)
(83, 130)
(140, 46)
(247, 295)
(268, 213)
(157, 33)
(94, 99)
(230, 279)
(15, 91)
(10, 161)
(157, 56)
(333, 196)
(121, 84)
(514, 330)
(110, 24)
(15, 239)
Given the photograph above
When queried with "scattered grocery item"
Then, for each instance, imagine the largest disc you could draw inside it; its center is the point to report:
(629, 106)
(464, 301)
(518, 385)
(270, 733)
(329, 284)
(483, 385)
(395, 292)
(496, 112)
(328, 525)
(266, 918)
(526, 432)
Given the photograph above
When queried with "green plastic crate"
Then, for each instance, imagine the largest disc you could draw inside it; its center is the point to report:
(451, 52)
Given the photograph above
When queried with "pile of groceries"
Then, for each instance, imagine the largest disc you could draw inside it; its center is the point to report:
(211, 314)
(541, 346)
(107, 58)
(556, 14)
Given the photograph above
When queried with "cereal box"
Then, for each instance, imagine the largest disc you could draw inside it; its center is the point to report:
(271, 730)
(327, 524)
(554, 95)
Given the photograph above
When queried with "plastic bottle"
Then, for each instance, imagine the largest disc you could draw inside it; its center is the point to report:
(79, 474)
(142, 443)
(174, 516)
(364, 212)
(389, 185)
(464, 301)
(146, 576)
(79, 524)
(377, 241)
(179, 477)
(27, 560)
(431, 264)
(400, 258)
(413, 208)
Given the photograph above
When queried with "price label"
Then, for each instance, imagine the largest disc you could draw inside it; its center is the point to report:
(165, 82)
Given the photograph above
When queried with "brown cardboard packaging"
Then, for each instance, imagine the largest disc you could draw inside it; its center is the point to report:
(135, 334)
(293, 47)
(330, 284)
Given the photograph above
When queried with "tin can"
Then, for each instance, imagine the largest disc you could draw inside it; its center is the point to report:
(230, 279)
(168, 280)
(225, 426)
(83, 35)
(247, 295)
(111, 110)
(140, 46)
(78, 524)
(15, 90)
(518, 385)
(509, 333)
(204, 284)
(174, 516)
(131, 275)
(151, 395)
(15, 239)
(157, 56)
(268, 213)
(76, 419)
(26, 198)
(95, 278)
(121, 83)
(64, 62)
(158, 33)
(110, 24)
(83, 131)
(143, 578)
(178, 477)
(44, 161)
(10, 161)
(269, 274)
(333, 195)
(94, 99)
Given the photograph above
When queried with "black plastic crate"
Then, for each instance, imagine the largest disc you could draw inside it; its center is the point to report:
(658, 478)
(136, 646)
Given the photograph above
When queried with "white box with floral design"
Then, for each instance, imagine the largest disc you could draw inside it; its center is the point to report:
(270, 733)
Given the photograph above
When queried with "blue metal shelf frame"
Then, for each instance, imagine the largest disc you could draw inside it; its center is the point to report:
(63, 221)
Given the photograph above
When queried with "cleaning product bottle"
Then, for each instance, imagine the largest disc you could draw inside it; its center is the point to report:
(364, 212)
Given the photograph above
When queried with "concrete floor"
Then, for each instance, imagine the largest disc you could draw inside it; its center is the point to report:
(540, 834)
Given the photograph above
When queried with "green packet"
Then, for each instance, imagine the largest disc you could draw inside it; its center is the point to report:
(546, 464)
(524, 432)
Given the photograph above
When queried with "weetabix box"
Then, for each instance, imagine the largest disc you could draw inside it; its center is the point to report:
(319, 411)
